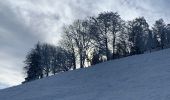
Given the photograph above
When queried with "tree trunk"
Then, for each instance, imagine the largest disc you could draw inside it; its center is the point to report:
(107, 50)
(81, 60)
(113, 53)
(74, 63)
(74, 60)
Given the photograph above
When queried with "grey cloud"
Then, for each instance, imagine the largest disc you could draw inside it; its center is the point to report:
(16, 38)
(13, 31)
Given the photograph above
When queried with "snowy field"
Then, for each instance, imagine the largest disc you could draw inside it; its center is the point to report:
(140, 77)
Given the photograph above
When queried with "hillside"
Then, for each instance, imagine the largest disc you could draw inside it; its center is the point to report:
(140, 77)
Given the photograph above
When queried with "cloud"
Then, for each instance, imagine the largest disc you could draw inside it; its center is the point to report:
(16, 38)
(24, 22)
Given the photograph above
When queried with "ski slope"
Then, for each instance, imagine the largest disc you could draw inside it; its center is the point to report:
(140, 77)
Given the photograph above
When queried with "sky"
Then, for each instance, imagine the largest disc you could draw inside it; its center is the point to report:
(25, 22)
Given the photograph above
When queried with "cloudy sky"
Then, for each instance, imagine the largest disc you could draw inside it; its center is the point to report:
(24, 22)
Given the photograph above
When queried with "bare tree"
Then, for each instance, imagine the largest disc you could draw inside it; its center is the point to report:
(159, 30)
(67, 43)
(79, 40)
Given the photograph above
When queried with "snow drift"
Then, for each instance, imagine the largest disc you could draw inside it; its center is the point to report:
(140, 77)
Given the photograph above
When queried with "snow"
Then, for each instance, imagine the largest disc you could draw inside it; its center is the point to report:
(139, 77)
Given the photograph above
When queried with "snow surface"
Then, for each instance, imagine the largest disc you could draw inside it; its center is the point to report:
(140, 77)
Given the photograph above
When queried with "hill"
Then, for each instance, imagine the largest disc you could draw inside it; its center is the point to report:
(139, 77)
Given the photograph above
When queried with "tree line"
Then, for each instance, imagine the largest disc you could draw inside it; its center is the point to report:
(94, 40)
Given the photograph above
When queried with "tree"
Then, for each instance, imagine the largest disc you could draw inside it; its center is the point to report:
(33, 66)
(54, 61)
(97, 40)
(138, 30)
(159, 30)
(78, 32)
(100, 27)
(104, 23)
(168, 34)
(115, 28)
(95, 58)
(150, 41)
(67, 42)
(46, 58)
(121, 44)
(65, 59)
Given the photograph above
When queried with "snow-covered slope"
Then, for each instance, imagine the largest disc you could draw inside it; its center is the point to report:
(140, 77)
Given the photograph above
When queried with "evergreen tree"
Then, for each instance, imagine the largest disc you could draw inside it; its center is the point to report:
(33, 65)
